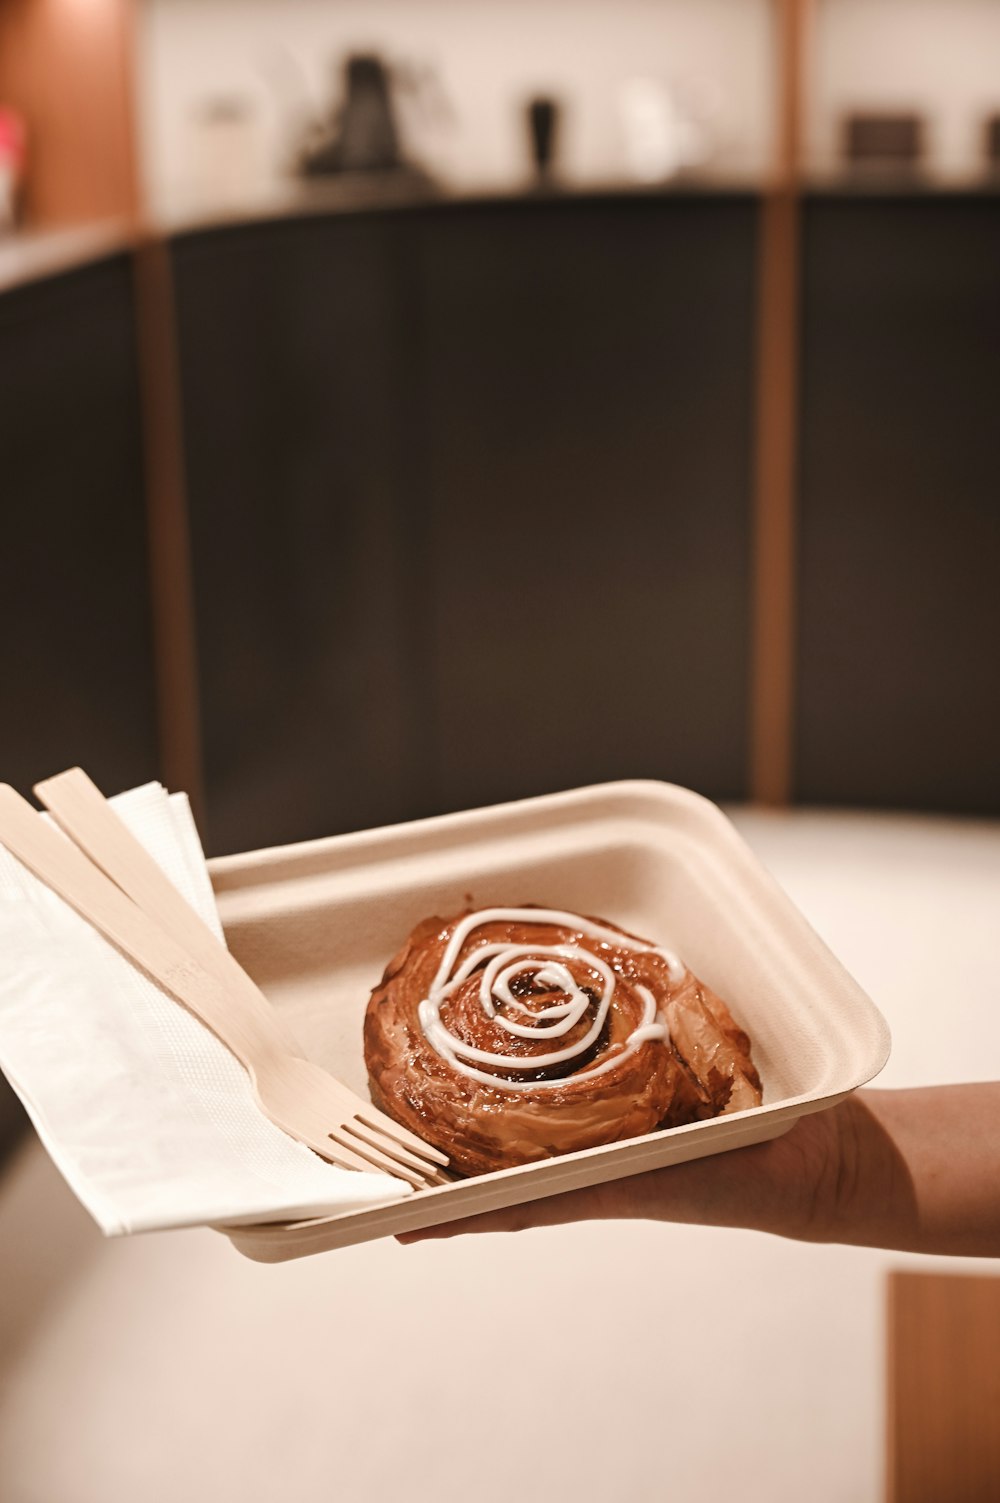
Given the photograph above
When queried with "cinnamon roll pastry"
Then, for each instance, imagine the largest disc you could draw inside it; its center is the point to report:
(506, 1035)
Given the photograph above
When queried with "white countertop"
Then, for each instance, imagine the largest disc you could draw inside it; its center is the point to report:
(168, 1367)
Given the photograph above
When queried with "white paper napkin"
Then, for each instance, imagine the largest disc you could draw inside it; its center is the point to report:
(149, 1118)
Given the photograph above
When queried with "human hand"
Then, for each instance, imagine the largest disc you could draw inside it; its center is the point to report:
(799, 1185)
(912, 1170)
(915, 1170)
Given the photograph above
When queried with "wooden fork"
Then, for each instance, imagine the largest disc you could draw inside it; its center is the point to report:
(297, 1095)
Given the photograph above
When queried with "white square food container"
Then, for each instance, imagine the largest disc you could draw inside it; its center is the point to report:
(315, 925)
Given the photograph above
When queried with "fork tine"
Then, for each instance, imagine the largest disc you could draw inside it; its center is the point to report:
(359, 1129)
(335, 1153)
(346, 1158)
(343, 1140)
(385, 1126)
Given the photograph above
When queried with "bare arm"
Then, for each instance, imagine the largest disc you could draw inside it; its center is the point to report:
(917, 1170)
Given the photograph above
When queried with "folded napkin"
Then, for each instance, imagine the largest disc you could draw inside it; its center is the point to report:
(149, 1118)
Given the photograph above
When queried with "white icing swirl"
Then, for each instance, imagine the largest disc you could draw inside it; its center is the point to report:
(547, 965)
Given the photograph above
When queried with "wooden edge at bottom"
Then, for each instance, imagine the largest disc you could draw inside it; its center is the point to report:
(280, 1242)
(943, 1387)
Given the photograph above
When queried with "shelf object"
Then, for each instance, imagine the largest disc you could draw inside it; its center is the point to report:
(884, 140)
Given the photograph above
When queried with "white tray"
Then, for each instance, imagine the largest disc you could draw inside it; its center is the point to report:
(315, 925)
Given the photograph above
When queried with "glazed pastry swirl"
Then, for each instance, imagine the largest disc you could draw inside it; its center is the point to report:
(506, 1035)
(546, 966)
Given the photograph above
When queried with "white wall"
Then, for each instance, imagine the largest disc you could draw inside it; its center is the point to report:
(941, 57)
(490, 55)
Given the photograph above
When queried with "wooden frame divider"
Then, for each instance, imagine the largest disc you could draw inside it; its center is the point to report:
(171, 583)
(772, 672)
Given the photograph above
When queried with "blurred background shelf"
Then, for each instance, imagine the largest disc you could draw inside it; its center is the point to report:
(755, 388)
(138, 106)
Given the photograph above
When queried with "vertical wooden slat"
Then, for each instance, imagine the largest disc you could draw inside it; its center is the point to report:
(773, 626)
(170, 570)
(943, 1409)
(171, 584)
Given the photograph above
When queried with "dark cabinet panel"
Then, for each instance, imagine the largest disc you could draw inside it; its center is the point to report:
(587, 398)
(76, 679)
(898, 693)
(469, 499)
(291, 369)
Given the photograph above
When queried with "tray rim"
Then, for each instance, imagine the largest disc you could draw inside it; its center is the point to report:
(276, 1241)
(227, 871)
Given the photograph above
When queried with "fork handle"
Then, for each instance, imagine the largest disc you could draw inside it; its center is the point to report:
(80, 808)
(60, 865)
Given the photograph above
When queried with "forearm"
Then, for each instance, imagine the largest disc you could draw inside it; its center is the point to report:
(918, 1170)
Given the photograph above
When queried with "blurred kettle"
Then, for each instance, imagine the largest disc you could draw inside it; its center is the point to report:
(364, 136)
